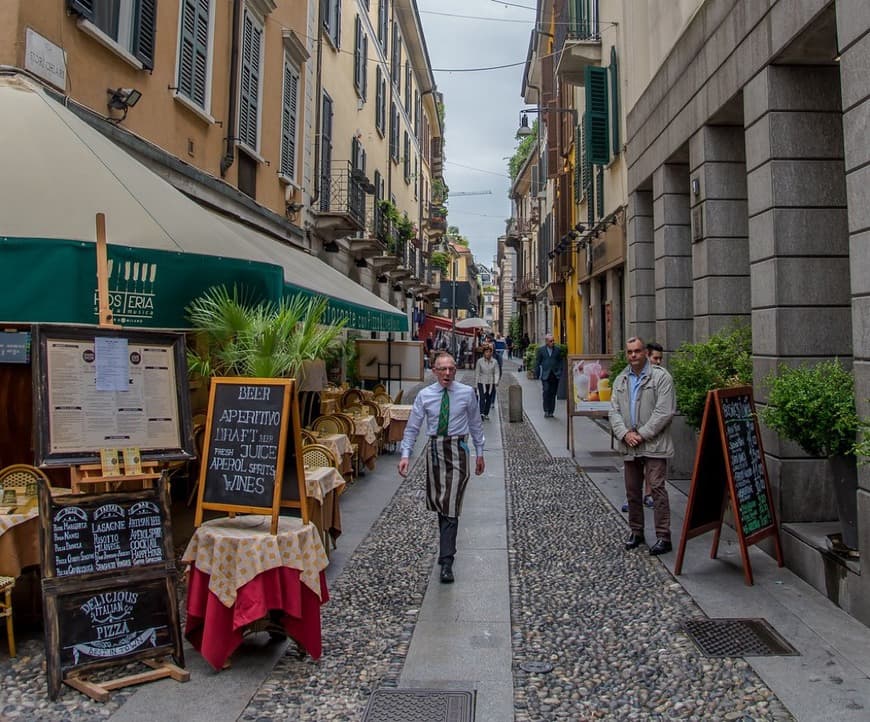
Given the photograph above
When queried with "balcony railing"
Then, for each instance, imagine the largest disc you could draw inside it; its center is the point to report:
(527, 285)
(342, 193)
(578, 39)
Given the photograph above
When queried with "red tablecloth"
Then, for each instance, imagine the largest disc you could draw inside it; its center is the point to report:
(215, 630)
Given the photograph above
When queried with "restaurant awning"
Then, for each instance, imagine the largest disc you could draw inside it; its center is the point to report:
(164, 249)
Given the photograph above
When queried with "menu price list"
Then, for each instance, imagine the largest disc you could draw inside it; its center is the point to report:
(106, 537)
(747, 467)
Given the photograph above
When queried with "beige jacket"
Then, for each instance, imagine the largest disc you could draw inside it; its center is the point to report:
(656, 405)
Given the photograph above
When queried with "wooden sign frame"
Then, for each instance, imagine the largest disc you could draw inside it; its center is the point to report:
(289, 419)
(594, 409)
(378, 359)
(158, 578)
(713, 484)
(172, 345)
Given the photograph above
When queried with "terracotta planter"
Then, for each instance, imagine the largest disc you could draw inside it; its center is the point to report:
(844, 476)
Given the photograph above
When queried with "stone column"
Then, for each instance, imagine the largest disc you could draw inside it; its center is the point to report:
(673, 255)
(799, 255)
(720, 243)
(641, 258)
(854, 38)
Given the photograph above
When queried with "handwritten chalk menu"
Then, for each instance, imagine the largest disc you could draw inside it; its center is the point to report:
(107, 388)
(110, 624)
(108, 580)
(245, 439)
(730, 470)
(99, 535)
(747, 463)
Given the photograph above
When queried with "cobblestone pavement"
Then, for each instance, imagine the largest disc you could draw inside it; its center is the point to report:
(606, 619)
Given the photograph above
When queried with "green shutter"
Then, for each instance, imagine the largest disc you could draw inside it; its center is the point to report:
(599, 193)
(614, 99)
(597, 130)
(578, 159)
(585, 165)
(144, 32)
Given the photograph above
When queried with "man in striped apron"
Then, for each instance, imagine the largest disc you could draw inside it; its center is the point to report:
(450, 412)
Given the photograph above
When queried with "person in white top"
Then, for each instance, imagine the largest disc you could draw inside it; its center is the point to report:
(487, 374)
(450, 412)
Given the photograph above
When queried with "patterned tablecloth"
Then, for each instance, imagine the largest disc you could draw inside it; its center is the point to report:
(338, 444)
(397, 412)
(320, 480)
(234, 551)
(366, 427)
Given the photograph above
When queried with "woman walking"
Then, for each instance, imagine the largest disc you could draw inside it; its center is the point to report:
(487, 374)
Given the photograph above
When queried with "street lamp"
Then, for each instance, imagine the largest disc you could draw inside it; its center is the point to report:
(445, 247)
(524, 130)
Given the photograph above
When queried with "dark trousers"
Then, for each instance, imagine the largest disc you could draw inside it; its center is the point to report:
(655, 472)
(486, 397)
(448, 526)
(549, 387)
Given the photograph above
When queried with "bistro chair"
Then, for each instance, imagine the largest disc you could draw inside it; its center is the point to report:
(6, 585)
(327, 425)
(372, 408)
(348, 428)
(318, 455)
(22, 478)
(382, 398)
(379, 389)
(307, 437)
(350, 397)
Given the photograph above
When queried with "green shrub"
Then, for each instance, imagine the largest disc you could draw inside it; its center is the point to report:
(814, 406)
(620, 361)
(529, 357)
(722, 361)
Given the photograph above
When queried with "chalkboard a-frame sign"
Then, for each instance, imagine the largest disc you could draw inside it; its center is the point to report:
(109, 587)
(729, 465)
(245, 446)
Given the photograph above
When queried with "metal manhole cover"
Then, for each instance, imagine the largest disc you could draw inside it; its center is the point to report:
(420, 705)
(598, 469)
(737, 638)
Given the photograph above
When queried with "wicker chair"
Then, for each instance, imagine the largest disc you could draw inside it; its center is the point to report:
(370, 407)
(318, 455)
(307, 437)
(348, 428)
(350, 397)
(22, 478)
(379, 389)
(6, 585)
(382, 398)
(327, 425)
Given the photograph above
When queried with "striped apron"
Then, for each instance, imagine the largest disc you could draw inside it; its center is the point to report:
(447, 473)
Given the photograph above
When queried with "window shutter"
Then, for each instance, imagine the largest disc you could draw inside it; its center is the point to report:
(145, 31)
(585, 165)
(337, 23)
(597, 129)
(250, 86)
(365, 66)
(578, 163)
(193, 53)
(85, 8)
(599, 193)
(288, 122)
(533, 186)
(614, 100)
(357, 54)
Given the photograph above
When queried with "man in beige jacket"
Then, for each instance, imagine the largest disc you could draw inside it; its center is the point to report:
(642, 406)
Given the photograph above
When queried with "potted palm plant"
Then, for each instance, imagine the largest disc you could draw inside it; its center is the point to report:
(814, 406)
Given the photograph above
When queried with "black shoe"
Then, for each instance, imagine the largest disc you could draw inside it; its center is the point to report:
(634, 541)
(447, 574)
(662, 546)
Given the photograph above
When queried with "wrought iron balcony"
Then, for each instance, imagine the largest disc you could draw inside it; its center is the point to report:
(528, 285)
(578, 39)
(341, 210)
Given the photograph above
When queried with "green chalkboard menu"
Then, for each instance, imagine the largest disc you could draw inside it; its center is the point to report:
(730, 470)
(108, 582)
(245, 445)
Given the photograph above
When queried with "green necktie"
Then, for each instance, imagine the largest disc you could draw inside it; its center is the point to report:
(444, 415)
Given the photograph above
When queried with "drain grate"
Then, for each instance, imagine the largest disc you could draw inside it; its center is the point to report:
(420, 705)
(737, 638)
(599, 469)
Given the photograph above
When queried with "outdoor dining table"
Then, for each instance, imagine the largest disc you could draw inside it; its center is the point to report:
(398, 418)
(19, 541)
(323, 487)
(366, 435)
(340, 445)
(240, 573)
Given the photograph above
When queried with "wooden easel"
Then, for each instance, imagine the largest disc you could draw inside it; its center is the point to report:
(99, 691)
(86, 478)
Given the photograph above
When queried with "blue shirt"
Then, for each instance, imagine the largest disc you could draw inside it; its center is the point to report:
(634, 382)
(464, 415)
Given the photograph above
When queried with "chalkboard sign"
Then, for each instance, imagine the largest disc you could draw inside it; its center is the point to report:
(15, 347)
(245, 445)
(105, 532)
(730, 467)
(108, 584)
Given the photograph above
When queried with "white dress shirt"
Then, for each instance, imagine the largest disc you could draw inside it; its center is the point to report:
(464, 415)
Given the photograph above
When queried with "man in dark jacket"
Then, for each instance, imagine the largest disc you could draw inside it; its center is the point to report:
(548, 368)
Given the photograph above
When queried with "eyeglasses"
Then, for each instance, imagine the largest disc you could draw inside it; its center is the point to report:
(446, 368)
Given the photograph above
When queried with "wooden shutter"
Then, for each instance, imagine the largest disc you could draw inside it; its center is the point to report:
(614, 101)
(597, 115)
(145, 32)
(250, 87)
(85, 8)
(193, 53)
(578, 163)
(288, 122)
(599, 193)
(326, 153)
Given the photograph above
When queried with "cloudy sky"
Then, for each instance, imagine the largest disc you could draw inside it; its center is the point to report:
(482, 107)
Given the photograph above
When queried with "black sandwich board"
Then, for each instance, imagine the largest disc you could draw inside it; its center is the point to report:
(108, 586)
(245, 446)
(729, 465)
